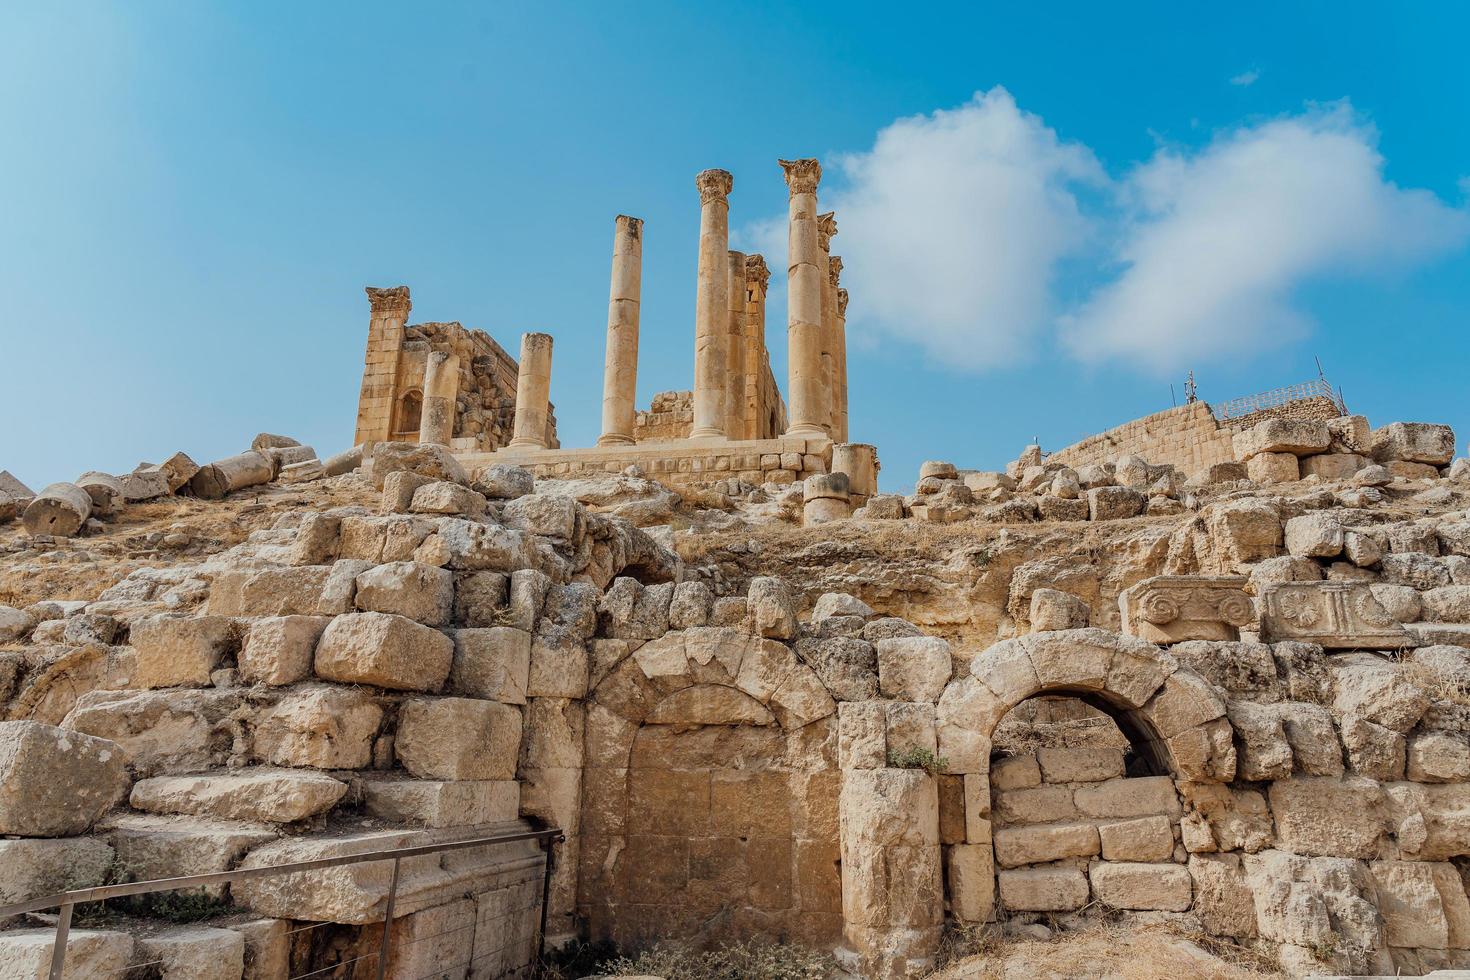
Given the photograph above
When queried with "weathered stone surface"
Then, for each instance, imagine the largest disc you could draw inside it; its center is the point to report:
(1142, 839)
(438, 803)
(59, 510)
(1329, 817)
(458, 738)
(1244, 531)
(889, 806)
(1088, 764)
(1315, 535)
(1414, 442)
(278, 650)
(320, 726)
(847, 666)
(195, 952)
(26, 953)
(1438, 757)
(1333, 466)
(1376, 691)
(1177, 608)
(32, 867)
(914, 668)
(1300, 437)
(1016, 846)
(492, 663)
(1268, 468)
(971, 876)
(1128, 797)
(178, 651)
(1043, 889)
(149, 846)
(410, 589)
(1162, 887)
(1113, 503)
(772, 608)
(384, 650)
(1052, 610)
(1222, 898)
(55, 782)
(270, 795)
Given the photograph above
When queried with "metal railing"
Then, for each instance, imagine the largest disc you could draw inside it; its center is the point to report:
(65, 902)
(1316, 388)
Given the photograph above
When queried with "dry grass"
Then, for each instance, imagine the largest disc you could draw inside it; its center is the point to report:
(1434, 683)
(1113, 949)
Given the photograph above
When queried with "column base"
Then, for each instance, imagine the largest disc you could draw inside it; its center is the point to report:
(615, 440)
(807, 430)
(525, 444)
(707, 432)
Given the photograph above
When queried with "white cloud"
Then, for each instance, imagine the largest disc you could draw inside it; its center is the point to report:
(950, 228)
(1246, 77)
(1214, 242)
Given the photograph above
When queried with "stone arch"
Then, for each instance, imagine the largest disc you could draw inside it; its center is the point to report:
(409, 413)
(691, 794)
(1168, 711)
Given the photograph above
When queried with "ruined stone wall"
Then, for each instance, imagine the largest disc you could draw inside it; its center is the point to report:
(1319, 408)
(1187, 437)
(669, 416)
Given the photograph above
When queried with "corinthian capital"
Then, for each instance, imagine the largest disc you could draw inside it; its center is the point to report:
(802, 176)
(714, 185)
(842, 302)
(393, 299)
(834, 270)
(756, 271)
(826, 228)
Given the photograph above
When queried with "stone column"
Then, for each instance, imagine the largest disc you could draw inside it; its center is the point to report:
(757, 276)
(805, 271)
(375, 403)
(839, 354)
(711, 304)
(826, 228)
(620, 373)
(735, 367)
(441, 388)
(533, 392)
(860, 462)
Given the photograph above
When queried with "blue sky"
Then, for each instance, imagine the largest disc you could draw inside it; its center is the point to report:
(1048, 215)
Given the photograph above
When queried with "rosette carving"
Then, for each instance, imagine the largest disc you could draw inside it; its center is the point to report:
(1298, 608)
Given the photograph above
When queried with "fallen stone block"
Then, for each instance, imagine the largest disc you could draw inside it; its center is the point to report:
(410, 589)
(105, 490)
(59, 510)
(232, 473)
(1300, 437)
(1113, 503)
(1414, 442)
(55, 782)
(146, 483)
(1268, 468)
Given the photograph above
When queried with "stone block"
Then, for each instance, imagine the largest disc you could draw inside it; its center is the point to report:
(1438, 757)
(32, 867)
(384, 650)
(543, 515)
(971, 875)
(1079, 765)
(1052, 609)
(319, 726)
(1142, 887)
(194, 953)
(772, 608)
(560, 667)
(481, 598)
(1128, 797)
(1300, 437)
(1329, 817)
(1414, 442)
(1042, 804)
(443, 497)
(1222, 897)
(25, 954)
(1113, 503)
(1141, 839)
(1043, 889)
(1016, 772)
(1315, 535)
(55, 782)
(410, 589)
(914, 668)
(1336, 615)
(439, 803)
(267, 795)
(1333, 466)
(492, 663)
(1178, 608)
(278, 650)
(150, 846)
(1268, 468)
(178, 651)
(889, 806)
(1015, 846)
(458, 738)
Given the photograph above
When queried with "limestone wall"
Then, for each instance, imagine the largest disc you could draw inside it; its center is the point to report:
(1187, 437)
(669, 416)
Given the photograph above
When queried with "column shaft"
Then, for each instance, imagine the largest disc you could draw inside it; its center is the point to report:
(441, 388)
(841, 352)
(756, 278)
(735, 367)
(805, 271)
(533, 392)
(711, 305)
(620, 372)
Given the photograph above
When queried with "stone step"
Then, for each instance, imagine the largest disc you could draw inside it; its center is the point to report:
(149, 846)
(260, 794)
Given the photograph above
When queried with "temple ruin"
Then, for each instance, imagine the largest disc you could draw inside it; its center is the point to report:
(1207, 672)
